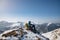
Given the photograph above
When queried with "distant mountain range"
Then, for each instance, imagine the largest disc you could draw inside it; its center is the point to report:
(49, 29)
(4, 26)
(42, 28)
(46, 27)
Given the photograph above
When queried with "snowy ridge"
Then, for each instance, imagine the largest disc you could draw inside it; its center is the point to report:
(53, 35)
(27, 35)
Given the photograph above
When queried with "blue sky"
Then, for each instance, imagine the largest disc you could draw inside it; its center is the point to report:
(39, 11)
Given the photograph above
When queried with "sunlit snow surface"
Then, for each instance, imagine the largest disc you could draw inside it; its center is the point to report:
(29, 35)
(53, 35)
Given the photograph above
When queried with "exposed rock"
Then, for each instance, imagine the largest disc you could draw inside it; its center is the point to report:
(21, 34)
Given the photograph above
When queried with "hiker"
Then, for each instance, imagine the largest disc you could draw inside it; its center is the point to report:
(31, 27)
(26, 26)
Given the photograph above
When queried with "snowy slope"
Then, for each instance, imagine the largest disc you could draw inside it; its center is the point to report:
(53, 35)
(27, 35)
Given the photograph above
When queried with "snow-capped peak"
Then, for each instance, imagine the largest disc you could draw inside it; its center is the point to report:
(49, 24)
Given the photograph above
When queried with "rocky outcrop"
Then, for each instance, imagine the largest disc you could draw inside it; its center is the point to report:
(21, 34)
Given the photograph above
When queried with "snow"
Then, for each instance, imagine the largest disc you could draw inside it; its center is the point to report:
(49, 24)
(15, 24)
(12, 38)
(7, 31)
(9, 38)
(32, 36)
(28, 35)
(53, 35)
(48, 35)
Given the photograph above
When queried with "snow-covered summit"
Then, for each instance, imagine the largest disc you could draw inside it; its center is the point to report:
(21, 34)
